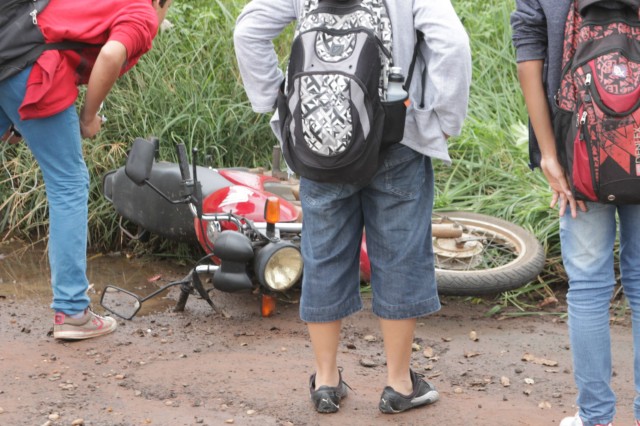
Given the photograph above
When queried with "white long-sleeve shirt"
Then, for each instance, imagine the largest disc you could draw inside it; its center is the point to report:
(445, 50)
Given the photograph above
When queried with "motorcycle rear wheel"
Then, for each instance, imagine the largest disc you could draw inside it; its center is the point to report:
(492, 256)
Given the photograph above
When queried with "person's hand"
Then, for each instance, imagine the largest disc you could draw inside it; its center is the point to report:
(90, 127)
(11, 136)
(562, 194)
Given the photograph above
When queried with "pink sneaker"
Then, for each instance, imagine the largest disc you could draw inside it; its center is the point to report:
(577, 421)
(88, 326)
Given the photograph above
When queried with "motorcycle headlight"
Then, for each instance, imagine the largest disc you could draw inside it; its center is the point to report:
(278, 266)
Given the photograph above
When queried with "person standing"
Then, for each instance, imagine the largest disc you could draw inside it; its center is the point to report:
(587, 229)
(395, 205)
(38, 105)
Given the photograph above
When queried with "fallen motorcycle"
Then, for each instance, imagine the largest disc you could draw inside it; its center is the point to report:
(249, 225)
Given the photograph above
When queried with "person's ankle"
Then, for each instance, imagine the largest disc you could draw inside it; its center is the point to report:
(403, 386)
(330, 378)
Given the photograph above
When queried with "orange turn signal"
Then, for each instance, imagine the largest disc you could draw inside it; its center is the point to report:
(272, 210)
(268, 305)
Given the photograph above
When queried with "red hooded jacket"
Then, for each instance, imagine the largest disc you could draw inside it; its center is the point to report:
(52, 84)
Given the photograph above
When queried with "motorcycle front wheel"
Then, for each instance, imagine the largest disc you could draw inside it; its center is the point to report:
(491, 256)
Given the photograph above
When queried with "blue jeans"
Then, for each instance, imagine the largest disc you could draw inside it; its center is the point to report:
(587, 253)
(56, 145)
(395, 209)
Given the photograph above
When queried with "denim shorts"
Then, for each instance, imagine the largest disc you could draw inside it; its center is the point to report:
(395, 209)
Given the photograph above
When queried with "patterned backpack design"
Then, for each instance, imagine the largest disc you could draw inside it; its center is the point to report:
(597, 124)
(330, 106)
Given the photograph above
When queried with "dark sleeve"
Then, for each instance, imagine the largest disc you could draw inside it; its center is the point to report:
(529, 31)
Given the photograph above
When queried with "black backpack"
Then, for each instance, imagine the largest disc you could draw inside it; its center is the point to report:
(332, 109)
(21, 41)
(597, 125)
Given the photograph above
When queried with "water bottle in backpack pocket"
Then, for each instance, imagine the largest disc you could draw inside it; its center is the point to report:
(395, 108)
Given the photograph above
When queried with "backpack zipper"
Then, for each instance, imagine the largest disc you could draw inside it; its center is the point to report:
(34, 13)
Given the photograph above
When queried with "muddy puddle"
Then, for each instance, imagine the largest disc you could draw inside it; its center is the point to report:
(24, 274)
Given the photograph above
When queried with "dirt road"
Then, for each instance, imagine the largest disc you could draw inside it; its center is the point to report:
(197, 368)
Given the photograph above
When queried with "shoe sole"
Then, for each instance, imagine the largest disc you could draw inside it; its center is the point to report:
(426, 399)
(81, 335)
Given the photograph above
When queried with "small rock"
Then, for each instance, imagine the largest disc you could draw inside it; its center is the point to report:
(473, 336)
(78, 422)
(369, 363)
(428, 352)
(370, 338)
(229, 421)
(457, 390)
(1, 410)
(251, 412)
(54, 416)
(544, 405)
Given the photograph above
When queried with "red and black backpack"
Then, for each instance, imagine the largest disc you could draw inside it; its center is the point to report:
(597, 125)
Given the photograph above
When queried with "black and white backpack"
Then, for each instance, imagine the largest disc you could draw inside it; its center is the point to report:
(334, 121)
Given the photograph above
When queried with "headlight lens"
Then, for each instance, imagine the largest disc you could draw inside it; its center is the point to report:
(279, 265)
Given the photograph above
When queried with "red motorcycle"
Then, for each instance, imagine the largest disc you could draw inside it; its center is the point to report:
(249, 225)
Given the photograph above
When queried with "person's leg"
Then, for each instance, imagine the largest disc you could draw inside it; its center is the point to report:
(587, 252)
(398, 338)
(630, 277)
(56, 145)
(332, 224)
(397, 209)
(325, 338)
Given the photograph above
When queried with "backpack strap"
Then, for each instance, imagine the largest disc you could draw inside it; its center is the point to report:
(584, 4)
(18, 64)
(416, 53)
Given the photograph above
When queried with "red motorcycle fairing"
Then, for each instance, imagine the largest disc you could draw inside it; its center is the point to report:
(365, 264)
(244, 178)
(242, 201)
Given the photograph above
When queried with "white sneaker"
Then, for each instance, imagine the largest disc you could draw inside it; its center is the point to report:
(88, 326)
(576, 421)
(571, 421)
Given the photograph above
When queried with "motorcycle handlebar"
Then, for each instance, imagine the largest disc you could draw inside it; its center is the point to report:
(260, 226)
(183, 163)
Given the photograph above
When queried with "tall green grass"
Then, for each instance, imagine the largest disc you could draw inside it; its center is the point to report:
(187, 89)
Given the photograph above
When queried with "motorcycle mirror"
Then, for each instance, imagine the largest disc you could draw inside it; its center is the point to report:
(120, 302)
(140, 161)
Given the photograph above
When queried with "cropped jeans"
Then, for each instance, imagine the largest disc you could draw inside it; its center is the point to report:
(55, 142)
(588, 256)
(395, 209)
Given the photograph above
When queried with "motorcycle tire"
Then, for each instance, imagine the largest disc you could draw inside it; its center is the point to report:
(491, 257)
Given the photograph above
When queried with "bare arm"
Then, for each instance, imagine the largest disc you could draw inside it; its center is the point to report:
(530, 76)
(103, 76)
